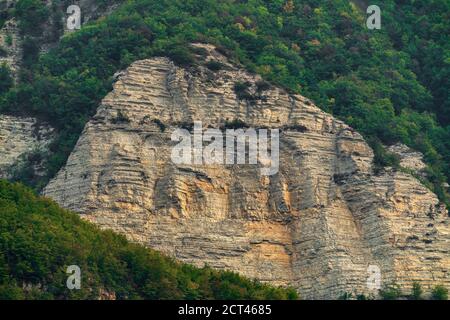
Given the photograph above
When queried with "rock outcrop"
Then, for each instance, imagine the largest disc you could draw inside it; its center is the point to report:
(10, 46)
(409, 158)
(11, 40)
(317, 225)
(19, 137)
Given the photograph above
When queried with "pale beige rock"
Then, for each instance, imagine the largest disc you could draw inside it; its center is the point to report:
(317, 225)
(409, 158)
(11, 45)
(90, 11)
(18, 137)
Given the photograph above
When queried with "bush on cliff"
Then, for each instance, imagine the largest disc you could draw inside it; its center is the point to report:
(439, 293)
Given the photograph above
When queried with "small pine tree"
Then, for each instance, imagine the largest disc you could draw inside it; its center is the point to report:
(416, 293)
(346, 296)
(439, 293)
(391, 292)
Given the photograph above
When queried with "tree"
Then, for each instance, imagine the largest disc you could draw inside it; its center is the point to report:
(439, 293)
(6, 81)
(417, 291)
(32, 14)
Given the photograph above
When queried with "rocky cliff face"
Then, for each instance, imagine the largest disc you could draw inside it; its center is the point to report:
(317, 225)
(10, 46)
(11, 40)
(409, 159)
(20, 137)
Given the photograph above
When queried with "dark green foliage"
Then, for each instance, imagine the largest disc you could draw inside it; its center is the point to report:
(262, 86)
(390, 292)
(120, 118)
(30, 52)
(416, 292)
(32, 14)
(25, 168)
(242, 90)
(39, 240)
(351, 296)
(182, 56)
(383, 158)
(390, 84)
(439, 293)
(421, 29)
(3, 16)
(3, 52)
(346, 296)
(296, 127)
(57, 23)
(189, 126)
(162, 126)
(214, 65)
(6, 81)
(9, 40)
(234, 124)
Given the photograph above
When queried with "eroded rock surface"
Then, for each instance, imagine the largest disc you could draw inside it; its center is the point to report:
(20, 136)
(316, 225)
(11, 40)
(409, 158)
(10, 46)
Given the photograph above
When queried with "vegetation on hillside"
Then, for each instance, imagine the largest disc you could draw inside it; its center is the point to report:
(39, 240)
(6, 81)
(393, 291)
(390, 84)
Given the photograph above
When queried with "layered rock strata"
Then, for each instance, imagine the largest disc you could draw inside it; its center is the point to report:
(317, 225)
(19, 137)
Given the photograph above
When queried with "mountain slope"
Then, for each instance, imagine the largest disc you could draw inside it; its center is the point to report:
(388, 84)
(316, 224)
(39, 240)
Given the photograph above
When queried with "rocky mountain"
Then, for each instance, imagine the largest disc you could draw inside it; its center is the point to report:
(12, 40)
(19, 138)
(323, 223)
(23, 136)
(317, 225)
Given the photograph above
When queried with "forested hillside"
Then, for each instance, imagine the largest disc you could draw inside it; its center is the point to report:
(390, 84)
(39, 240)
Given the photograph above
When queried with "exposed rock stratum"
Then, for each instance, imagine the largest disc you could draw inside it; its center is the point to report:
(20, 137)
(317, 225)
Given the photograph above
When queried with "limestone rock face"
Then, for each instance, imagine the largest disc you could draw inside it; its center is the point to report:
(19, 137)
(409, 158)
(11, 46)
(317, 225)
(11, 41)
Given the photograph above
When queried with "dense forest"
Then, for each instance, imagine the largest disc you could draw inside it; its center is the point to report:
(392, 84)
(39, 240)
